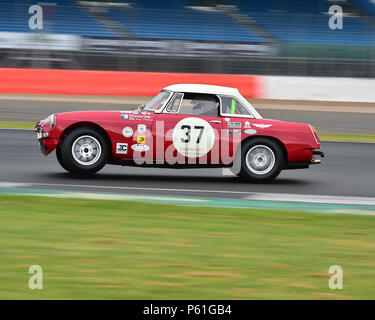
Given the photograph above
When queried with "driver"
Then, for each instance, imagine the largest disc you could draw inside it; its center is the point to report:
(197, 107)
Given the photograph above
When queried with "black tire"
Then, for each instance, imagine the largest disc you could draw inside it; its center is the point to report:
(92, 142)
(59, 159)
(261, 160)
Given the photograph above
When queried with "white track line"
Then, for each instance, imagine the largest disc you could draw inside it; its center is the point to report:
(279, 197)
(26, 184)
(310, 198)
(14, 184)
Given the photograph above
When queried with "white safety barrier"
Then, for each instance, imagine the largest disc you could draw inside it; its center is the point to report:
(319, 88)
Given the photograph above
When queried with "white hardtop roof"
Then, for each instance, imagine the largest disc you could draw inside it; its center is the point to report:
(202, 88)
(210, 89)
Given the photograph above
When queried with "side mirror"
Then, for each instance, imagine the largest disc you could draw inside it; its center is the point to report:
(141, 108)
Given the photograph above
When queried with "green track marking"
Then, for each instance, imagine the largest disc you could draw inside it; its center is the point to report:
(200, 201)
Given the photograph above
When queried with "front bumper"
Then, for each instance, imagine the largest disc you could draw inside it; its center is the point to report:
(39, 132)
(47, 143)
(39, 136)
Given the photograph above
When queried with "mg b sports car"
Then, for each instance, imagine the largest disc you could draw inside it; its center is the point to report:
(184, 126)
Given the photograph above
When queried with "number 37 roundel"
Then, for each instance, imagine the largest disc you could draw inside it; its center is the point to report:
(193, 137)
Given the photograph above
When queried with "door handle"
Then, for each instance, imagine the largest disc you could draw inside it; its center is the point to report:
(215, 121)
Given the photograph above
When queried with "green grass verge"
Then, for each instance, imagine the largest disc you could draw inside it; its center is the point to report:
(93, 249)
(348, 137)
(323, 137)
(17, 125)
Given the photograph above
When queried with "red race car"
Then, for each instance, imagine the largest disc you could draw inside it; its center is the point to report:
(184, 126)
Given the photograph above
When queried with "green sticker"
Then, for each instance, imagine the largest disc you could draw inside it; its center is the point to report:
(233, 108)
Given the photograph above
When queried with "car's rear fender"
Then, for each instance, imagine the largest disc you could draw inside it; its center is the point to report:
(268, 137)
(296, 148)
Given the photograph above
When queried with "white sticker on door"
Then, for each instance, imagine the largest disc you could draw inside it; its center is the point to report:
(142, 128)
(121, 148)
(193, 137)
(127, 132)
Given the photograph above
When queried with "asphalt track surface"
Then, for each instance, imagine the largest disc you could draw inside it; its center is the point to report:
(25, 110)
(347, 170)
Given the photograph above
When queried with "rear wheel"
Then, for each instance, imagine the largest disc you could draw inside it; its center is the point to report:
(84, 151)
(261, 160)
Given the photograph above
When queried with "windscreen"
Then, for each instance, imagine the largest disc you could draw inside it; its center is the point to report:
(157, 102)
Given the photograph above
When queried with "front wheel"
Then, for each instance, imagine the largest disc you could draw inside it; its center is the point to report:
(84, 151)
(261, 160)
(59, 158)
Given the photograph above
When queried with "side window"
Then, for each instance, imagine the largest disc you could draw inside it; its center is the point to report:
(175, 103)
(232, 106)
(200, 105)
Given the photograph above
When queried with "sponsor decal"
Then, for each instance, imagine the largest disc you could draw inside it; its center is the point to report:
(261, 125)
(127, 132)
(131, 115)
(250, 131)
(234, 124)
(142, 128)
(135, 112)
(139, 117)
(247, 124)
(233, 132)
(140, 147)
(121, 148)
(141, 139)
(193, 137)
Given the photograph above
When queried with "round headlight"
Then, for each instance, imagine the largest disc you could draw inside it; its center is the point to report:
(50, 120)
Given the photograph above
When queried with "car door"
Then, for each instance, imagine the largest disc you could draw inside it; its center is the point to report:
(236, 126)
(189, 129)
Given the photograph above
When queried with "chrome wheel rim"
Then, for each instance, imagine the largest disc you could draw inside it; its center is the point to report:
(86, 150)
(260, 159)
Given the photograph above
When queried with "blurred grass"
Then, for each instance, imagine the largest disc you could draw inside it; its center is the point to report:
(91, 249)
(16, 125)
(347, 137)
(323, 137)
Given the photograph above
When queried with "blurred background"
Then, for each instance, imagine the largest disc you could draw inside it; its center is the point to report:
(263, 37)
